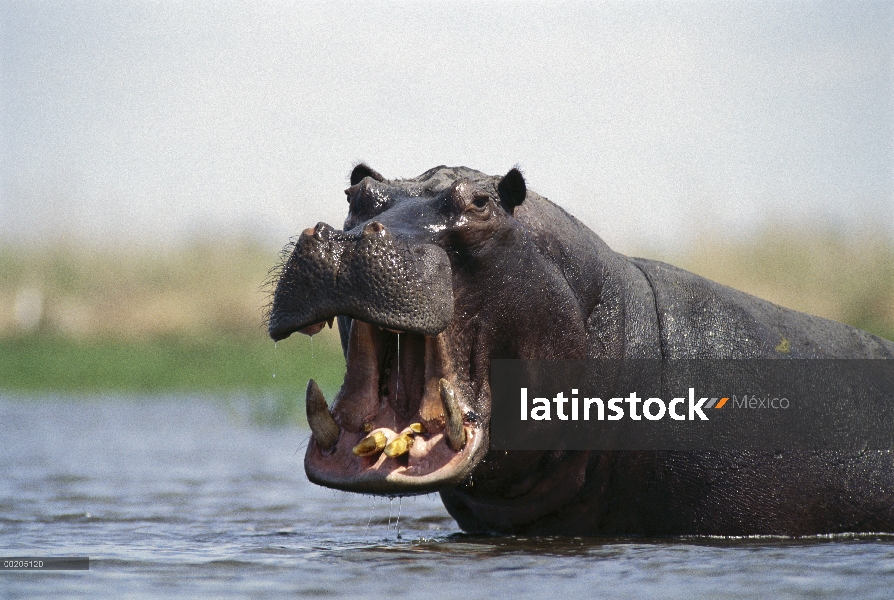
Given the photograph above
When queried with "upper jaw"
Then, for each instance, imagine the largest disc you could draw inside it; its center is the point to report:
(396, 386)
(369, 275)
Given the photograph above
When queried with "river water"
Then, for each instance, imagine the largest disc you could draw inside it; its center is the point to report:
(189, 497)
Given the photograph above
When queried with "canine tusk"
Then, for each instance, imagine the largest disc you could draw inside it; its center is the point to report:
(456, 433)
(323, 427)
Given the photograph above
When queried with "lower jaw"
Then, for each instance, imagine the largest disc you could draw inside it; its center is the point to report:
(429, 469)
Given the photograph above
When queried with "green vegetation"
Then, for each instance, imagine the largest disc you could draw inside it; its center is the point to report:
(215, 364)
(266, 381)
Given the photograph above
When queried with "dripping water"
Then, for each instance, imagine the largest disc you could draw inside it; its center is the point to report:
(399, 501)
(275, 357)
(375, 500)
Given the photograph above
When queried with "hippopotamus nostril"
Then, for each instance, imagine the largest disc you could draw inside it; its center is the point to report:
(322, 232)
(373, 228)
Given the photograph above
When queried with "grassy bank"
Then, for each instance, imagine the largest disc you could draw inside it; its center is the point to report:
(191, 318)
(83, 321)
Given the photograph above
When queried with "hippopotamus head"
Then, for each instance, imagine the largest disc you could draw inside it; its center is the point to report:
(429, 279)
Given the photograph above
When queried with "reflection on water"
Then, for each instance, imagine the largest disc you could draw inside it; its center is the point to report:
(187, 496)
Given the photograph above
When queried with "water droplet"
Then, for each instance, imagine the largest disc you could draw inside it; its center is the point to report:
(399, 506)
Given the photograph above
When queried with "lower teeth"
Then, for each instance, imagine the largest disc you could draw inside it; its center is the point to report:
(372, 444)
(399, 445)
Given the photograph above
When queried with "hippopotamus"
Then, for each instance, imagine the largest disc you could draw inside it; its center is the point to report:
(431, 278)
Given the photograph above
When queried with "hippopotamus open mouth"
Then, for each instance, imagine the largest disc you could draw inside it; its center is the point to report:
(398, 423)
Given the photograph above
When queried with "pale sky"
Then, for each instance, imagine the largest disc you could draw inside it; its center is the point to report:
(147, 121)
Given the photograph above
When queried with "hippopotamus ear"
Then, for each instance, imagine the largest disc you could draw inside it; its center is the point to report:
(512, 190)
(361, 171)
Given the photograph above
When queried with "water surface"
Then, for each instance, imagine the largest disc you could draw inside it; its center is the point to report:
(188, 496)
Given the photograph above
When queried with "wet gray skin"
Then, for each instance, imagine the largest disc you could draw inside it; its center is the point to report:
(432, 277)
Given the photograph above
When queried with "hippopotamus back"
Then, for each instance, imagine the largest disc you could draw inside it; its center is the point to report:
(699, 318)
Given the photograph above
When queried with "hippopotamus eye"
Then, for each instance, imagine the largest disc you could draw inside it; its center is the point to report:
(481, 200)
